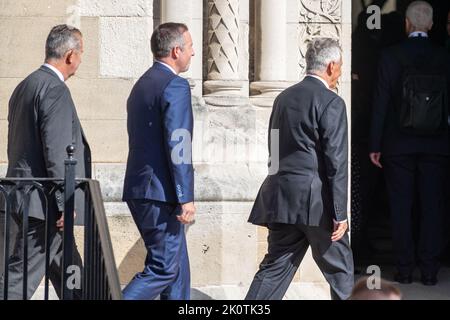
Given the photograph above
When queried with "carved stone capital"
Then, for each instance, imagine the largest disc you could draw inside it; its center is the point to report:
(265, 92)
(320, 11)
(308, 32)
(225, 92)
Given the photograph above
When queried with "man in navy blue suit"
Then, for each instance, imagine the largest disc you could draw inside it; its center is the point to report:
(409, 141)
(159, 180)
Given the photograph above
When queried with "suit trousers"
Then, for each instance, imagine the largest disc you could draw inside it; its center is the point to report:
(35, 237)
(12, 232)
(287, 245)
(405, 175)
(166, 272)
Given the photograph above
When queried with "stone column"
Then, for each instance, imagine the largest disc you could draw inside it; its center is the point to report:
(189, 13)
(270, 52)
(176, 11)
(225, 85)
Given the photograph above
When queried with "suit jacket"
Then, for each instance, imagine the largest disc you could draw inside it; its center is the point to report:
(310, 186)
(160, 127)
(386, 135)
(42, 122)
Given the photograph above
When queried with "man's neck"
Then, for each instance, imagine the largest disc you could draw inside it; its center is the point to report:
(170, 64)
(320, 77)
(56, 67)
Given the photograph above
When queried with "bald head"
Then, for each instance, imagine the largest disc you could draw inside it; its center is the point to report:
(419, 17)
(387, 291)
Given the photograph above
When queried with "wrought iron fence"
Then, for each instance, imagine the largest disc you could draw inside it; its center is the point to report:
(99, 277)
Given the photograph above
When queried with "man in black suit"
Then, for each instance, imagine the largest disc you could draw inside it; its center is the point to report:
(413, 76)
(447, 43)
(303, 200)
(42, 122)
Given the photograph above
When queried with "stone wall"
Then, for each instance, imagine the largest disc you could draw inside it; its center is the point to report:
(232, 95)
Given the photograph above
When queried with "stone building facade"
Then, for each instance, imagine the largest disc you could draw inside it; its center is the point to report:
(247, 51)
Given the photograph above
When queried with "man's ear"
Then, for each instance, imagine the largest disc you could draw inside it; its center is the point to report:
(330, 68)
(68, 57)
(407, 25)
(175, 53)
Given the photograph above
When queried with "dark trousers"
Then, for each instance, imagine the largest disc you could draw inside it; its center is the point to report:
(406, 174)
(35, 238)
(287, 245)
(365, 190)
(13, 228)
(166, 272)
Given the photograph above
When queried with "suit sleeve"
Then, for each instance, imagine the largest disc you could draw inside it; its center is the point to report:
(55, 114)
(178, 130)
(333, 136)
(381, 102)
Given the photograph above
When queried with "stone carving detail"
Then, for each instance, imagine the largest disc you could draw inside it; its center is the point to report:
(320, 11)
(223, 39)
(307, 32)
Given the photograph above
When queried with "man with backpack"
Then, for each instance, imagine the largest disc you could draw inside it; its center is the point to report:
(409, 141)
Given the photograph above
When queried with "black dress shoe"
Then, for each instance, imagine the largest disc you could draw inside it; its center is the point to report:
(429, 280)
(403, 278)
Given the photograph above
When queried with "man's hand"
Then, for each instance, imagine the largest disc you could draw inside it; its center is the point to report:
(60, 222)
(375, 158)
(187, 213)
(339, 230)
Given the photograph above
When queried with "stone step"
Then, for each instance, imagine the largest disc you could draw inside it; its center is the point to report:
(297, 291)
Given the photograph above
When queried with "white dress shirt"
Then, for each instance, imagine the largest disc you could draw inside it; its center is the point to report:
(416, 34)
(58, 73)
(319, 78)
(165, 64)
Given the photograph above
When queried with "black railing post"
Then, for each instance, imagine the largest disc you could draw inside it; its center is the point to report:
(68, 237)
(6, 245)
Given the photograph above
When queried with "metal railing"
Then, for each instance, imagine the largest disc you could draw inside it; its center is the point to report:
(99, 277)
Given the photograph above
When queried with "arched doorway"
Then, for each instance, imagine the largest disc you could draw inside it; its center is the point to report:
(371, 234)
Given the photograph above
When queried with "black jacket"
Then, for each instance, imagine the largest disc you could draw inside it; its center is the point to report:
(42, 123)
(386, 136)
(310, 185)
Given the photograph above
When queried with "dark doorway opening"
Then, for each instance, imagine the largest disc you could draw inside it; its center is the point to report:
(371, 231)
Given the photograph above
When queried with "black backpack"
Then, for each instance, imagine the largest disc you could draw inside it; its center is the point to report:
(422, 108)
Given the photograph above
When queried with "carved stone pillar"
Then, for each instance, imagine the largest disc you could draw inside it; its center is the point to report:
(189, 13)
(224, 86)
(270, 49)
(318, 19)
(176, 11)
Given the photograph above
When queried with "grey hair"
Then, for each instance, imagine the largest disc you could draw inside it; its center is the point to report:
(61, 39)
(166, 37)
(321, 52)
(420, 14)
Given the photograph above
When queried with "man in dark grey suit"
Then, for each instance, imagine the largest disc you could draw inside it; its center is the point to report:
(303, 201)
(42, 122)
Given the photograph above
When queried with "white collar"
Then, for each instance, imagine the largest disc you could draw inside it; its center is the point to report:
(58, 73)
(166, 65)
(416, 34)
(319, 78)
